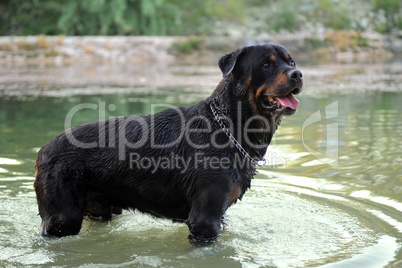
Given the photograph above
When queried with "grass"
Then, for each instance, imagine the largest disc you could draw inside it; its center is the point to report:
(34, 49)
(42, 43)
(344, 40)
(186, 47)
(6, 47)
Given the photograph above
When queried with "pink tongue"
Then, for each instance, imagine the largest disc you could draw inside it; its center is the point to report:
(288, 101)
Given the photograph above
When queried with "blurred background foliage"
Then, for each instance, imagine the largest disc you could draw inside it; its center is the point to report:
(177, 17)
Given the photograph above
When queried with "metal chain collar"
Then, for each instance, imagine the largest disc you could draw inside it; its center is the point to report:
(234, 141)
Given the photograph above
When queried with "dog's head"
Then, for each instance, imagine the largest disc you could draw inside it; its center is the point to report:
(267, 75)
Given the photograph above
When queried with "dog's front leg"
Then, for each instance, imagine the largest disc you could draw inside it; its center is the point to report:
(205, 217)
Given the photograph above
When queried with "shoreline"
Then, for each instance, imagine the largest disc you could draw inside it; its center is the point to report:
(111, 65)
(333, 46)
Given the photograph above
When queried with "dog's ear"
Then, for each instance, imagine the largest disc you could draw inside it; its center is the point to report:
(228, 62)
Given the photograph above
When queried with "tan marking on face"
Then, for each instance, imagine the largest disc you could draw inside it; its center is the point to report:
(287, 56)
(248, 81)
(265, 90)
(253, 103)
(271, 90)
(272, 58)
(280, 79)
(260, 90)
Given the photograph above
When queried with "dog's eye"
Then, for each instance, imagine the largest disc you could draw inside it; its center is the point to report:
(265, 66)
(292, 63)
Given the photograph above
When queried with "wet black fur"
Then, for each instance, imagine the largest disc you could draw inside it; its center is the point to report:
(72, 182)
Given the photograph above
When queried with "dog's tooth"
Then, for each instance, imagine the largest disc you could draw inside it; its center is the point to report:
(270, 99)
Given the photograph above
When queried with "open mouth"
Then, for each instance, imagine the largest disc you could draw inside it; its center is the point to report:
(276, 103)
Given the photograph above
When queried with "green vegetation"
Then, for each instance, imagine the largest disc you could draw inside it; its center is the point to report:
(113, 17)
(391, 10)
(315, 15)
(33, 49)
(177, 17)
(339, 41)
(342, 40)
(186, 47)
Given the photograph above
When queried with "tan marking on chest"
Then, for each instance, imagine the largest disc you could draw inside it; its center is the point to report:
(248, 81)
(234, 195)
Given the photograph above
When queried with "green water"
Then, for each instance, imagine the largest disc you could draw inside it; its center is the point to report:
(330, 194)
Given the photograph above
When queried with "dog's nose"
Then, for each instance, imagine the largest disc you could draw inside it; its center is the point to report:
(296, 75)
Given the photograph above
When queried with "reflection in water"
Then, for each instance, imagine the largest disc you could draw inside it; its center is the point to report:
(341, 205)
(373, 256)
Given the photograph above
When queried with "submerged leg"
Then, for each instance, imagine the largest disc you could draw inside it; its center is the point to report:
(205, 217)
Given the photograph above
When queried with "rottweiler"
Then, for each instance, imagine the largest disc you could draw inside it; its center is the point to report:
(188, 164)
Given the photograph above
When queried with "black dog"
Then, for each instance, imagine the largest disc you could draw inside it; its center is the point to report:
(187, 164)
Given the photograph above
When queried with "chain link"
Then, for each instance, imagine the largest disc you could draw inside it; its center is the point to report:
(234, 141)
